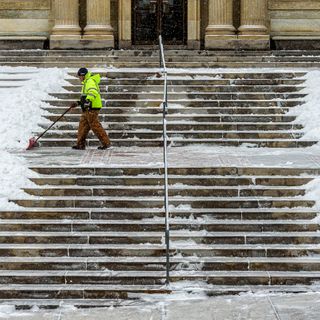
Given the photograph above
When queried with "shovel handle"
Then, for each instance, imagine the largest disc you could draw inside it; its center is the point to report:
(54, 123)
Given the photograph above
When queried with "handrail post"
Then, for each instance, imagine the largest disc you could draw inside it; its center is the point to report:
(165, 159)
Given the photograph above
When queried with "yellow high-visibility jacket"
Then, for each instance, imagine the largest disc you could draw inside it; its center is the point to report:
(90, 89)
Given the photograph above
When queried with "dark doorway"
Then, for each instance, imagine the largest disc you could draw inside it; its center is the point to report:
(154, 17)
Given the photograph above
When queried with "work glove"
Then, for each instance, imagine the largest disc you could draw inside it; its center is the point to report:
(87, 104)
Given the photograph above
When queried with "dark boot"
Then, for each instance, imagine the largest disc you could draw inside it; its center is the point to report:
(108, 146)
(76, 147)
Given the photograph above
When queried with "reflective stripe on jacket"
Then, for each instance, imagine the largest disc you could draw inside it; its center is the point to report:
(90, 89)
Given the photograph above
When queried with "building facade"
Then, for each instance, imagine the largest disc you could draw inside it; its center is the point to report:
(193, 24)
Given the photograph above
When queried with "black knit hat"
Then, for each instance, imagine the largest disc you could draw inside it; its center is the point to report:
(82, 71)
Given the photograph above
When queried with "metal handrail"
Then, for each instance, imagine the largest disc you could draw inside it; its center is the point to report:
(165, 158)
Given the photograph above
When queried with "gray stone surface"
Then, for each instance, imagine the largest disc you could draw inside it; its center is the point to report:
(192, 156)
(243, 307)
(295, 308)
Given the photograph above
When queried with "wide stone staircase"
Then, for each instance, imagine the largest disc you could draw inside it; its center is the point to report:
(89, 234)
(95, 233)
(228, 109)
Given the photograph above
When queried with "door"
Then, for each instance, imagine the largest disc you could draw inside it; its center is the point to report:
(154, 17)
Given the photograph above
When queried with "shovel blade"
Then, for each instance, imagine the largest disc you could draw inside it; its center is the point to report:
(32, 143)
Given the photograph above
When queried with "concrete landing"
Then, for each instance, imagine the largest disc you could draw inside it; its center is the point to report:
(304, 306)
(191, 156)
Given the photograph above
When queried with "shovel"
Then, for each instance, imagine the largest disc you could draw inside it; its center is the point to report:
(33, 142)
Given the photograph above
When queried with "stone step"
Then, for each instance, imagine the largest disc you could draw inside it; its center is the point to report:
(156, 202)
(123, 117)
(201, 134)
(193, 89)
(182, 190)
(216, 277)
(178, 142)
(190, 96)
(206, 172)
(62, 63)
(111, 58)
(17, 81)
(212, 290)
(243, 182)
(197, 237)
(185, 74)
(184, 125)
(84, 292)
(177, 110)
(28, 304)
(148, 250)
(223, 104)
(203, 118)
(43, 303)
(175, 212)
(192, 80)
(156, 225)
(3, 87)
(153, 264)
(169, 52)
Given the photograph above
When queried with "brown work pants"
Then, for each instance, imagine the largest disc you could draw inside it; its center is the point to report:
(89, 120)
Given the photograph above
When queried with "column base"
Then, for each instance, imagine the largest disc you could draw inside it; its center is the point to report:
(237, 43)
(194, 44)
(125, 44)
(97, 42)
(64, 41)
(254, 42)
(226, 42)
(77, 42)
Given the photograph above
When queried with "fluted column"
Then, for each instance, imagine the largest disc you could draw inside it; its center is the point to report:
(98, 26)
(220, 30)
(254, 19)
(193, 24)
(125, 22)
(66, 30)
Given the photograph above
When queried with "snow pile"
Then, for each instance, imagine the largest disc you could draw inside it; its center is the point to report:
(308, 114)
(313, 192)
(20, 113)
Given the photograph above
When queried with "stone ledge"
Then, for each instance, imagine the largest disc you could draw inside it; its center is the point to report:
(22, 42)
(296, 42)
(237, 43)
(81, 44)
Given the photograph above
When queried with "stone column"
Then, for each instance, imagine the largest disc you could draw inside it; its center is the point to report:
(66, 32)
(254, 24)
(125, 40)
(98, 31)
(193, 24)
(220, 33)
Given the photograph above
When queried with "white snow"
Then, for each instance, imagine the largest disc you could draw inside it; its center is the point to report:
(20, 114)
(308, 113)
(6, 310)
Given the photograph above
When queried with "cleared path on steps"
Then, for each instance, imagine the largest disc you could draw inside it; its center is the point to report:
(214, 108)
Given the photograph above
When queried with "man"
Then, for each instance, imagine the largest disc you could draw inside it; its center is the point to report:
(91, 104)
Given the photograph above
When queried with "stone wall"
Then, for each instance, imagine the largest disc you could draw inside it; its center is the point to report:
(25, 17)
(292, 22)
(295, 24)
